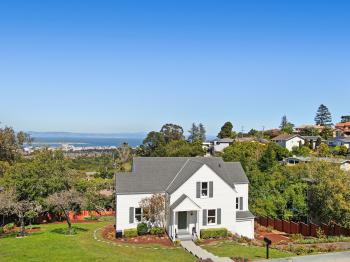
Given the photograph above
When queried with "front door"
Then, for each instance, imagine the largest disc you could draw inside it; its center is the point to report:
(182, 220)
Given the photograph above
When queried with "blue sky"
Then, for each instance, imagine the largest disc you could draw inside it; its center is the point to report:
(129, 66)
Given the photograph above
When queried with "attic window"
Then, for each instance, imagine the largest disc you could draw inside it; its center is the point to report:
(204, 189)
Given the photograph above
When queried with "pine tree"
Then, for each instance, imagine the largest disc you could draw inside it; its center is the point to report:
(202, 132)
(194, 133)
(286, 127)
(323, 116)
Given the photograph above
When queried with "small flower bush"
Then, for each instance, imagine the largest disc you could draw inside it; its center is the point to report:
(9, 227)
(131, 232)
(157, 231)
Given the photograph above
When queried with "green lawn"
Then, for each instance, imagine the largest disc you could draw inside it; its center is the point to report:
(51, 245)
(233, 249)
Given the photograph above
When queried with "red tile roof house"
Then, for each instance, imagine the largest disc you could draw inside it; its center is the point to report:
(201, 193)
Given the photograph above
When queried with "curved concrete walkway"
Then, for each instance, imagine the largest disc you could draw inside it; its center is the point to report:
(199, 252)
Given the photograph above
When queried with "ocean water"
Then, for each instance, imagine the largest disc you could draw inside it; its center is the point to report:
(57, 141)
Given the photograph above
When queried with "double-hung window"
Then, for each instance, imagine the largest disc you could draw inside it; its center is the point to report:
(239, 203)
(138, 214)
(204, 189)
(211, 216)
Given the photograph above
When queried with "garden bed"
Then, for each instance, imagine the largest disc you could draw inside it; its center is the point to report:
(109, 234)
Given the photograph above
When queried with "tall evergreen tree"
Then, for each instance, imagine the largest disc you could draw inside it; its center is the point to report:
(286, 127)
(202, 132)
(194, 133)
(323, 116)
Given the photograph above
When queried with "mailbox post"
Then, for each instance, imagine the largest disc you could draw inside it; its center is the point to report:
(268, 243)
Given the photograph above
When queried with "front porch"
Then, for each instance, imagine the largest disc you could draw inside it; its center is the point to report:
(184, 219)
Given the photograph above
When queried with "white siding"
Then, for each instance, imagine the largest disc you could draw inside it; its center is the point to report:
(124, 202)
(294, 142)
(219, 147)
(224, 197)
(245, 228)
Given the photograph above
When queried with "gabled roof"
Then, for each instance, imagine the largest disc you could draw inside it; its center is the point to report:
(166, 174)
(285, 137)
(181, 199)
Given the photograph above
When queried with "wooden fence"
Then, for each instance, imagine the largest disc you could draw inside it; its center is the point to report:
(310, 229)
(86, 213)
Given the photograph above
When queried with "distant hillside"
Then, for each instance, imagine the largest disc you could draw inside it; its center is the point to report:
(84, 135)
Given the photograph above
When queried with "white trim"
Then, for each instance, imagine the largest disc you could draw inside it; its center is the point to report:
(201, 189)
(216, 217)
(177, 174)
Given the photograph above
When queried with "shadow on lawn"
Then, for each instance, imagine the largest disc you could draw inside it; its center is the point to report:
(65, 231)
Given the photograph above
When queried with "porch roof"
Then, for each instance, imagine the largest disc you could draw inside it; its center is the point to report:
(184, 203)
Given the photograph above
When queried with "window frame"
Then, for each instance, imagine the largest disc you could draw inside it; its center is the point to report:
(238, 203)
(207, 190)
(211, 216)
(138, 215)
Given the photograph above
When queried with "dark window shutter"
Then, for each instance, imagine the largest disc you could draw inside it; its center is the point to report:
(205, 218)
(218, 216)
(198, 193)
(131, 215)
(241, 203)
(211, 189)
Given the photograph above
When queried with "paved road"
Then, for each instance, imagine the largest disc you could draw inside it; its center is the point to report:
(330, 257)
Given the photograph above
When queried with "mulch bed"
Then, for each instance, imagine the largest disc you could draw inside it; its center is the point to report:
(109, 234)
(275, 236)
(16, 230)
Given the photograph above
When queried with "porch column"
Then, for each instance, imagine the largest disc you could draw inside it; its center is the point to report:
(173, 225)
(197, 229)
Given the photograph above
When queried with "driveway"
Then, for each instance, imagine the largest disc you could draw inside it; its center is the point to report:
(330, 257)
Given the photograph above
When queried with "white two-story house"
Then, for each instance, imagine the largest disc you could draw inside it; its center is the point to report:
(201, 192)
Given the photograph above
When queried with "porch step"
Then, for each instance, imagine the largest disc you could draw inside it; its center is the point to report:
(184, 237)
(199, 252)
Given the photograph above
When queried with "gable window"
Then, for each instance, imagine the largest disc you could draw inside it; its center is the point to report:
(138, 214)
(239, 203)
(204, 189)
(211, 216)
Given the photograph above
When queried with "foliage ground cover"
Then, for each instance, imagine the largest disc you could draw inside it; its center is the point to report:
(50, 243)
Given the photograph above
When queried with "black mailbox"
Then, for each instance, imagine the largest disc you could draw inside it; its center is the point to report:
(268, 243)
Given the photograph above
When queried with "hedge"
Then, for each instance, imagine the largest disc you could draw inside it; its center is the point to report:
(131, 232)
(213, 233)
(156, 231)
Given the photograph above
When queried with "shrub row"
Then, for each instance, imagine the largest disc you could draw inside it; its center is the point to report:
(213, 233)
(131, 232)
(156, 231)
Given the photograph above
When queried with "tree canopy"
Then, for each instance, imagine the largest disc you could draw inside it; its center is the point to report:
(323, 116)
(226, 131)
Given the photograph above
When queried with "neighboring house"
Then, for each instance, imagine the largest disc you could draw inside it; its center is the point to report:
(289, 141)
(220, 144)
(340, 141)
(252, 139)
(343, 129)
(298, 129)
(313, 140)
(344, 164)
(201, 193)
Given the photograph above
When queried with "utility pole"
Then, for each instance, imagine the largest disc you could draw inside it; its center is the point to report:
(242, 131)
